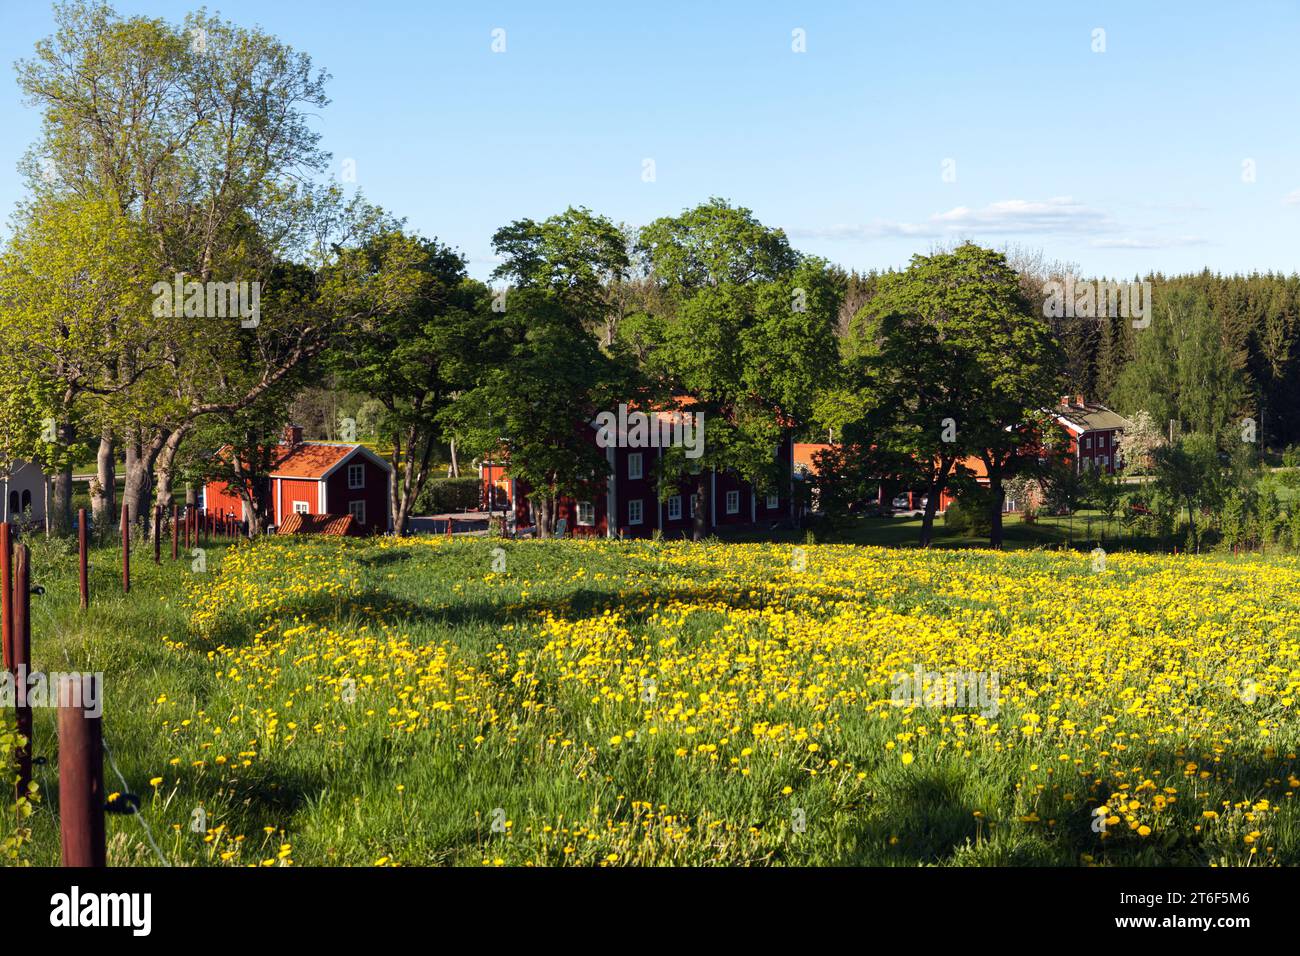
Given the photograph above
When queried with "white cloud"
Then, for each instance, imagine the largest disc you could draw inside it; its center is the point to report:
(1059, 215)
(1292, 198)
(1168, 242)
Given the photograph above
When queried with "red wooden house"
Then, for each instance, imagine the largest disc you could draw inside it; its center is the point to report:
(1091, 442)
(316, 478)
(1092, 433)
(627, 501)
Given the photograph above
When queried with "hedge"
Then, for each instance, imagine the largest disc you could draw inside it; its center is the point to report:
(443, 495)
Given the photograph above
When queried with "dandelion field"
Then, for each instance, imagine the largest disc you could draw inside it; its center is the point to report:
(400, 702)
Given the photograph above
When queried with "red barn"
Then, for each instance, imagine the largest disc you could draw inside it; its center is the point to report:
(316, 478)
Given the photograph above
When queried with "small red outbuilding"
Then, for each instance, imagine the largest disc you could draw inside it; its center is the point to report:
(317, 478)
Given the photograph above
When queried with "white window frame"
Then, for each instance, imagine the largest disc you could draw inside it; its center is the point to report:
(585, 514)
(635, 468)
(675, 508)
(733, 496)
(635, 511)
(1102, 461)
(301, 508)
(359, 470)
(773, 502)
(1087, 442)
(358, 511)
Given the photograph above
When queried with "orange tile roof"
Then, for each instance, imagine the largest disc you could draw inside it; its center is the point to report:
(308, 460)
(334, 525)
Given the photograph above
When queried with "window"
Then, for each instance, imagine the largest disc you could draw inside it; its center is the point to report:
(733, 502)
(1101, 441)
(634, 466)
(773, 502)
(300, 507)
(1087, 443)
(356, 476)
(1102, 461)
(586, 514)
(692, 505)
(26, 501)
(634, 511)
(675, 508)
(13, 502)
(358, 511)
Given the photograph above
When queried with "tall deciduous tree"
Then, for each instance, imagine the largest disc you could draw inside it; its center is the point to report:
(750, 336)
(413, 360)
(534, 405)
(960, 361)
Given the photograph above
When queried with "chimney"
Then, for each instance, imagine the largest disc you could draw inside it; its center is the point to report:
(1078, 400)
(292, 435)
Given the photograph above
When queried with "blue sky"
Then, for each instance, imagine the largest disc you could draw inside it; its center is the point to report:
(1119, 161)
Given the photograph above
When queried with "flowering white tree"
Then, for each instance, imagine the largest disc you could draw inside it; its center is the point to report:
(1138, 444)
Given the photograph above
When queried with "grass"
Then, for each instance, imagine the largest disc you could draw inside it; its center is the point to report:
(419, 701)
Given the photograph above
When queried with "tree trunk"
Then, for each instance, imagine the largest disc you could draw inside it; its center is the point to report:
(103, 497)
(141, 457)
(544, 509)
(700, 521)
(932, 496)
(59, 515)
(998, 494)
(453, 470)
(139, 475)
(164, 471)
(402, 498)
(927, 517)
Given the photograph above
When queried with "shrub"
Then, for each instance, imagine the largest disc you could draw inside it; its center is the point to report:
(442, 495)
(957, 518)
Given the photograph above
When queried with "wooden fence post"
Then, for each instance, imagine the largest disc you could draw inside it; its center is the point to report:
(126, 550)
(189, 519)
(176, 531)
(22, 662)
(81, 773)
(83, 556)
(157, 534)
(6, 592)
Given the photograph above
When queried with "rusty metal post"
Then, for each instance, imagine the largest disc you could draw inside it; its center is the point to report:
(22, 663)
(189, 519)
(81, 773)
(83, 556)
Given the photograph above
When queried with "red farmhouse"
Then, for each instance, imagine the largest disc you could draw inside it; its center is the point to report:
(627, 502)
(1092, 431)
(316, 478)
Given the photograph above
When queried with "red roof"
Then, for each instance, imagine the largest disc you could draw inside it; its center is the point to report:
(334, 525)
(309, 460)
